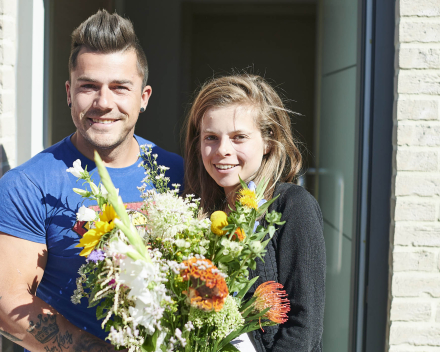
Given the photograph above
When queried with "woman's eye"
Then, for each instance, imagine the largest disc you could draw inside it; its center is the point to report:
(210, 138)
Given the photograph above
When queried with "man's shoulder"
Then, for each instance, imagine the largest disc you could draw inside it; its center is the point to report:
(165, 158)
(47, 161)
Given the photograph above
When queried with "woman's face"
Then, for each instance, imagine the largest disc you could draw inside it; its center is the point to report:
(231, 145)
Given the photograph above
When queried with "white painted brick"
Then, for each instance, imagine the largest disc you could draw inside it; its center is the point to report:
(418, 110)
(9, 150)
(423, 186)
(416, 284)
(414, 334)
(7, 54)
(437, 314)
(419, 82)
(414, 210)
(7, 126)
(417, 235)
(7, 78)
(8, 29)
(414, 261)
(419, 58)
(419, 8)
(418, 135)
(7, 103)
(408, 160)
(421, 31)
(410, 311)
(8, 7)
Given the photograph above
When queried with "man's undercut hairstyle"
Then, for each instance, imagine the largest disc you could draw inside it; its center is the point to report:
(107, 33)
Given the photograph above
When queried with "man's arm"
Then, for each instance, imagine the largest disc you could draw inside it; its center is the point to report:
(24, 318)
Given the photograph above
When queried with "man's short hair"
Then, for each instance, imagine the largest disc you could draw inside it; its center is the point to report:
(107, 33)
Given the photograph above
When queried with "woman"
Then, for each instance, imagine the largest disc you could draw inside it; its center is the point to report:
(238, 126)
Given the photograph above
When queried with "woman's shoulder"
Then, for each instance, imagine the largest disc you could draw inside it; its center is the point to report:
(294, 200)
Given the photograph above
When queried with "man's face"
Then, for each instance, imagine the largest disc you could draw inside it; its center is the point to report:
(106, 95)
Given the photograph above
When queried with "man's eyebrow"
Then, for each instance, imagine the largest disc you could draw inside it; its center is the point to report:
(116, 81)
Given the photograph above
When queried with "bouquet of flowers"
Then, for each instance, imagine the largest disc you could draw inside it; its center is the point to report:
(168, 278)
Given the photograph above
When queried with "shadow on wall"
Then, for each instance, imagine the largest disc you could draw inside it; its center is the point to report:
(4, 163)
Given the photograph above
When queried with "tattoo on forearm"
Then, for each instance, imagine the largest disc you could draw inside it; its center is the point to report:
(9, 336)
(46, 330)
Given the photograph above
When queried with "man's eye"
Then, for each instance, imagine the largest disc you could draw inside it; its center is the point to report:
(239, 137)
(88, 86)
(121, 88)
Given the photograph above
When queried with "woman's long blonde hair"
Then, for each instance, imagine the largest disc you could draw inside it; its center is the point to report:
(280, 164)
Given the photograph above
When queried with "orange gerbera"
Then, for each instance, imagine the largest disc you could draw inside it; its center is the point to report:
(269, 294)
(208, 289)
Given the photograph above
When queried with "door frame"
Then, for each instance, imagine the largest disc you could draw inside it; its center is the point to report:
(371, 259)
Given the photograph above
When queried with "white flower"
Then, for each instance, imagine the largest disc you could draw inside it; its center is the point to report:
(85, 214)
(104, 192)
(76, 170)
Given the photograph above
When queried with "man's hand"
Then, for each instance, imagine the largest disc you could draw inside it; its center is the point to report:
(24, 318)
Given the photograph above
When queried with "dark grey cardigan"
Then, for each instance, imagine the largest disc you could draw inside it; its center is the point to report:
(295, 258)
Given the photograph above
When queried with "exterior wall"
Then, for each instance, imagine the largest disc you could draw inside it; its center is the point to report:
(414, 316)
(8, 137)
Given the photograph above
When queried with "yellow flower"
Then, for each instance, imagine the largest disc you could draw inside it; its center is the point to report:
(91, 238)
(248, 198)
(219, 219)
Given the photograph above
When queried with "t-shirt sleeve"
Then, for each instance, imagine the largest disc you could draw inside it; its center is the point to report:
(22, 208)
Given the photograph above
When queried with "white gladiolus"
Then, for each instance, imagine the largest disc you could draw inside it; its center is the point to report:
(85, 214)
(76, 170)
(104, 192)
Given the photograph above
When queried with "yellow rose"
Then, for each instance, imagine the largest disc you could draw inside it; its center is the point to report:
(219, 219)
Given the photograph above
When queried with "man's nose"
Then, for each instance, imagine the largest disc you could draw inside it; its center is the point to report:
(104, 99)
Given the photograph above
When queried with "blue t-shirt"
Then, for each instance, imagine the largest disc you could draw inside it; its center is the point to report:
(37, 204)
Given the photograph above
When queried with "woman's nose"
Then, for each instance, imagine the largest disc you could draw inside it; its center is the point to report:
(225, 147)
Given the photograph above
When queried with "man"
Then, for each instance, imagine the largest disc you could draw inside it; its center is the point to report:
(39, 260)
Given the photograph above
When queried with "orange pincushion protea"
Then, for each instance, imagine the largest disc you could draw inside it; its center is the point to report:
(269, 294)
(208, 289)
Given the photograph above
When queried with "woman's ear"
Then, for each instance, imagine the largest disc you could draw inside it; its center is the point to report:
(266, 148)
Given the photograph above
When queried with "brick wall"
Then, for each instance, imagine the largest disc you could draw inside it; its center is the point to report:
(414, 314)
(8, 22)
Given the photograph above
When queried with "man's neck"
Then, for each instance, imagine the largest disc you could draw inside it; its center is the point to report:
(123, 155)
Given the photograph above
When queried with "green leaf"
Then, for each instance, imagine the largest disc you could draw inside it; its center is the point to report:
(230, 348)
(241, 294)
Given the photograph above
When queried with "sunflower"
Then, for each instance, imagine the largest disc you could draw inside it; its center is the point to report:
(208, 290)
(269, 294)
(92, 237)
(248, 198)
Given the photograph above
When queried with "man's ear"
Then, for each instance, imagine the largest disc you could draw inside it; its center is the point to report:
(69, 97)
(145, 97)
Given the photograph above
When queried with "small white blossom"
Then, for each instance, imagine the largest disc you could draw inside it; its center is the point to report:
(85, 214)
(76, 170)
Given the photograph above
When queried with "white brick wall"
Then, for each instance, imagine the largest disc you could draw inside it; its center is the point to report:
(8, 22)
(414, 315)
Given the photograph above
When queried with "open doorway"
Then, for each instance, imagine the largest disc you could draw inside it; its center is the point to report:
(277, 42)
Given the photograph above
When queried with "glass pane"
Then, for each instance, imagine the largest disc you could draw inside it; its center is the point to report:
(336, 155)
